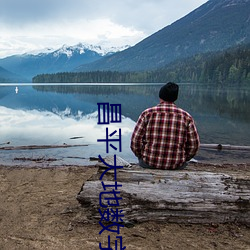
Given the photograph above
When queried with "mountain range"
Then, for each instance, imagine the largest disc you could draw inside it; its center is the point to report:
(7, 76)
(214, 26)
(64, 59)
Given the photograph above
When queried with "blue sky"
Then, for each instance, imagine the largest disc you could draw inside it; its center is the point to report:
(29, 25)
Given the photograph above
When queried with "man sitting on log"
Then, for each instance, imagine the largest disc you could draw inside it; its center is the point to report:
(165, 136)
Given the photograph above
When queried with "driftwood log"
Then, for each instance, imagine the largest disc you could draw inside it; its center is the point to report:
(171, 196)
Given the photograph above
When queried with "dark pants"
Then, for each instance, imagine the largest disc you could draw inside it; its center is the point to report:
(145, 165)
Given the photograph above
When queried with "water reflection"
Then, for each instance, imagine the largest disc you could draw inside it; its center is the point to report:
(228, 101)
(52, 114)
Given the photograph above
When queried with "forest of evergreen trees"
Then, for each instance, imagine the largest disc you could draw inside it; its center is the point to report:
(231, 66)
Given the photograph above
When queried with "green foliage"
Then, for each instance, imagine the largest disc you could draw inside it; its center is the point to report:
(91, 77)
(231, 66)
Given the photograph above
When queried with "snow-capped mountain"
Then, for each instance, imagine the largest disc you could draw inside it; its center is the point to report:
(81, 48)
(63, 59)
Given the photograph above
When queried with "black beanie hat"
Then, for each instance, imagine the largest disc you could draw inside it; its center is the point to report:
(169, 92)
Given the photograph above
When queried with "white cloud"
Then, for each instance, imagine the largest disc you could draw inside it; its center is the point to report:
(33, 24)
(37, 36)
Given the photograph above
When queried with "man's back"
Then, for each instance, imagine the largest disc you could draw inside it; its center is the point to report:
(165, 136)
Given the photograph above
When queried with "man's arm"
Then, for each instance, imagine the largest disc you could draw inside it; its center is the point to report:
(138, 136)
(193, 141)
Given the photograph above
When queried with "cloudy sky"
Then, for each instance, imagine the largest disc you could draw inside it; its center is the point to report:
(29, 25)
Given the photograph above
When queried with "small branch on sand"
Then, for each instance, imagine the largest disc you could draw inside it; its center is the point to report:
(76, 157)
(41, 147)
(76, 137)
(41, 159)
(91, 158)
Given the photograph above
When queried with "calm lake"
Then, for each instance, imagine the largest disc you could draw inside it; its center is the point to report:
(56, 114)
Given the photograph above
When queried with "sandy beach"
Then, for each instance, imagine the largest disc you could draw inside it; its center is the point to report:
(39, 210)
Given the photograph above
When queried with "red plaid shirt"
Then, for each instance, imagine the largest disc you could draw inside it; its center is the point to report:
(165, 136)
